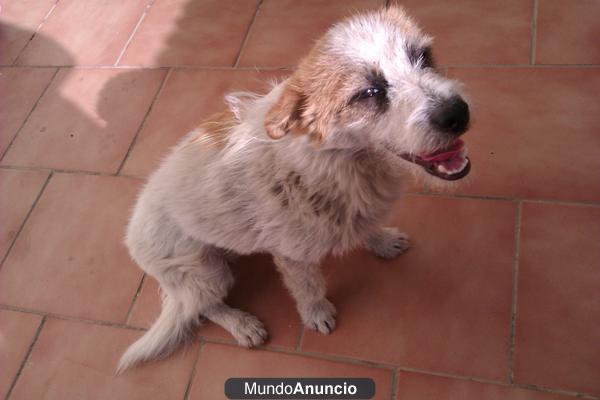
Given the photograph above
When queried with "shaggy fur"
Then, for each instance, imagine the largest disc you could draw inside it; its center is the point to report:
(309, 169)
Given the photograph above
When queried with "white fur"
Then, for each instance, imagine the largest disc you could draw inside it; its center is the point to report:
(288, 197)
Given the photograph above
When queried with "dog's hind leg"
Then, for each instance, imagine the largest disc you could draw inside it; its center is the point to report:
(192, 286)
(306, 284)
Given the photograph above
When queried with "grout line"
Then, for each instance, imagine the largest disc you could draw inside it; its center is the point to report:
(154, 67)
(534, 13)
(188, 387)
(67, 171)
(545, 389)
(42, 94)
(39, 27)
(69, 318)
(288, 67)
(238, 56)
(571, 203)
(135, 297)
(536, 388)
(319, 356)
(143, 123)
(394, 384)
(560, 202)
(300, 339)
(133, 32)
(26, 359)
(35, 201)
(515, 285)
(466, 66)
(501, 198)
(396, 368)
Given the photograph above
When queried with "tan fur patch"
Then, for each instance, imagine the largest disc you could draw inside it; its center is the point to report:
(215, 129)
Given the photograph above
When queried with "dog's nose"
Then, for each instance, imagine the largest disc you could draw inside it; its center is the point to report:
(452, 116)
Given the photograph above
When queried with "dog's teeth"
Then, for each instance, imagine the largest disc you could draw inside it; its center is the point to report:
(441, 168)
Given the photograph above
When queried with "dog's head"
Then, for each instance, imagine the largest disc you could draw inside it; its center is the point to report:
(371, 81)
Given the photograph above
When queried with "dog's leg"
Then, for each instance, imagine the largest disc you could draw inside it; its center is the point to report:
(247, 330)
(193, 285)
(388, 242)
(210, 284)
(307, 286)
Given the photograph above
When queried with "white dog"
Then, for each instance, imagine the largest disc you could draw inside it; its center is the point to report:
(309, 169)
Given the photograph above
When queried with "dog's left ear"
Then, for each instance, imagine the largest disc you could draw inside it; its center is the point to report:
(286, 115)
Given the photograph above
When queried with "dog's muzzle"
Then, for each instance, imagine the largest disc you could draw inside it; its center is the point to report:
(450, 163)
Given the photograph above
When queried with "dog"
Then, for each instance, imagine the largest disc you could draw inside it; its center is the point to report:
(312, 168)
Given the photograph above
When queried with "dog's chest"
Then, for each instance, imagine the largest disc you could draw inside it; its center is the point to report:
(334, 212)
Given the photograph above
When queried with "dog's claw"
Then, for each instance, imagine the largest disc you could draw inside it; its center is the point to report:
(250, 332)
(320, 317)
(389, 243)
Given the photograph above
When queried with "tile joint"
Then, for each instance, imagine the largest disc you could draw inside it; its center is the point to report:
(533, 42)
(135, 297)
(33, 205)
(33, 35)
(133, 32)
(188, 386)
(29, 114)
(26, 358)
(514, 297)
(238, 56)
(144, 119)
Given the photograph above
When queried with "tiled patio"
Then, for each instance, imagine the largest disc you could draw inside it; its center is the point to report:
(498, 299)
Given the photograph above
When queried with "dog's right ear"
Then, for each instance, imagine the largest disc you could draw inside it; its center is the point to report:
(286, 115)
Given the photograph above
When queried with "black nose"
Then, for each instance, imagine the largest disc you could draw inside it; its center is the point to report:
(451, 116)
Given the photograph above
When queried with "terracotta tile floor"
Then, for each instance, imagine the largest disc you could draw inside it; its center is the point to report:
(498, 299)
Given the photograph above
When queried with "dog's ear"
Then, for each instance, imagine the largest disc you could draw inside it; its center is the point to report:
(286, 115)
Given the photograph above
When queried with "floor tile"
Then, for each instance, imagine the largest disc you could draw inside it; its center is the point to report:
(69, 258)
(21, 88)
(258, 290)
(568, 32)
(17, 331)
(412, 386)
(86, 120)
(474, 31)
(72, 35)
(191, 32)
(442, 306)
(191, 96)
(558, 316)
(74, 360)
(285, 30)
(18, 21)
(217, 363)
(18, 191)
(534, 133)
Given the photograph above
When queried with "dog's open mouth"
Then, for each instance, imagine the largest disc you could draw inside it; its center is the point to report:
(450, 163)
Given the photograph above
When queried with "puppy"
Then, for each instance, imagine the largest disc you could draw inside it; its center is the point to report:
(309, 169)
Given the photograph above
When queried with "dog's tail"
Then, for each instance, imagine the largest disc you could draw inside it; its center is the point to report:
(173, 326)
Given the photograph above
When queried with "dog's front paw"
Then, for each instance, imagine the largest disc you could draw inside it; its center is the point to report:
(389, 243)
(249, 331)
(320, 316)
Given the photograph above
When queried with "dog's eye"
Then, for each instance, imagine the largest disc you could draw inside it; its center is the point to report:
(372, 92)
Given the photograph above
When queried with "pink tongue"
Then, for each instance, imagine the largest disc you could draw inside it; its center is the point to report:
(452, 153)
